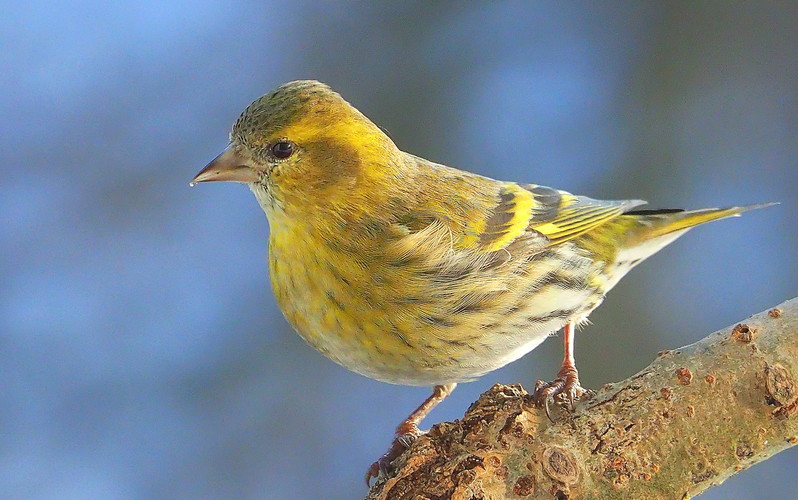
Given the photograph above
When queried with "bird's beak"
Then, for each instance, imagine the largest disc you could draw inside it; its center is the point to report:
(228, 166)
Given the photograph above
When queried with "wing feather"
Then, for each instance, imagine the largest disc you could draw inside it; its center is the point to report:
(540, 216)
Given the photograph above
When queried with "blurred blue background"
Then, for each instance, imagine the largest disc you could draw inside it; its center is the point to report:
(142, 352)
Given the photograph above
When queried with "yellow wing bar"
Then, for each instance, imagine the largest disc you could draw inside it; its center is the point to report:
(557, 215)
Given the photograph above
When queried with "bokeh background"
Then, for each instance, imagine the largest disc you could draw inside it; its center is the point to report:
(141, 351)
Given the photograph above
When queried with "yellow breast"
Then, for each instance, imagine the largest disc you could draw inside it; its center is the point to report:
(341, 305)
(409, 321)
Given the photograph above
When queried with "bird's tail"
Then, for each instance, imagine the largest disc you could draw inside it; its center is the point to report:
(648, 231)
(656, 223)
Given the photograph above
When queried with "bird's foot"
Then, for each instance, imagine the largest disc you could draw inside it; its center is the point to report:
(564, 388)
(406, 433)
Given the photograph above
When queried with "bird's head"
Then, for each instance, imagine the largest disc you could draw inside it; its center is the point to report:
(303, 145)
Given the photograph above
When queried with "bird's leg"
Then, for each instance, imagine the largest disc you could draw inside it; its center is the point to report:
(410, 424)
(567, 381)
(408, 431)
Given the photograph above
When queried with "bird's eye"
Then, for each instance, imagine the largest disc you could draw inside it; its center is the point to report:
(282, 149)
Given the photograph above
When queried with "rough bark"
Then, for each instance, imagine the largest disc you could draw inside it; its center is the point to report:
(688, 421)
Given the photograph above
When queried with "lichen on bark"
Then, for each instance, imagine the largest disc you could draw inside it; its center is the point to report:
(694, 417)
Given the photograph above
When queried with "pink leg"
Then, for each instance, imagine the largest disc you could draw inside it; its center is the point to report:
(408, 431)
(567, 381)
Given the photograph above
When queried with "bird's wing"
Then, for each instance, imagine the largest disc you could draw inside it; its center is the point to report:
(539, 216)
(462, 241)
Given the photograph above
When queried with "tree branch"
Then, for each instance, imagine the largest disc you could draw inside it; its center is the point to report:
(688, 421)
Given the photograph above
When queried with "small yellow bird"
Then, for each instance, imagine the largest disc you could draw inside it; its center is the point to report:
(414, 273)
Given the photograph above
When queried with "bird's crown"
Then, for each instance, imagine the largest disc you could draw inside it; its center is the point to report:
(298, 109)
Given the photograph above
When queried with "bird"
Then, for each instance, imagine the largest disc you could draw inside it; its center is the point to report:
(414, 273)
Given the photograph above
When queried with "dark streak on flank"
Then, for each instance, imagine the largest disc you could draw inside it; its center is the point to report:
(366, 297)
(372, 227)
(476, 303)
(410, 299)
(337, 275)
(460, 343)
(544, 255)
(556, 314)
(402, 260)
(558, 279)
(340, 245)
(332, 298)
(514, 309)
(436, 320)
(549, 278)
(468, 307)
(398, 334)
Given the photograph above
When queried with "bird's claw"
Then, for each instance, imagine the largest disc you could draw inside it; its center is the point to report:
(400, 444)
(565, 389)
